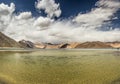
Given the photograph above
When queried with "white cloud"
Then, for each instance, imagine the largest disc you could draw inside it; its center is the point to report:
(45, 29)
(24, 15)
(97, 16)
(43, 22)
(5, 9)
(6, 15)
(51, 8)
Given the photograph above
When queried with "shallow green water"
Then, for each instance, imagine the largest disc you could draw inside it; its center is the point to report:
(60, 67)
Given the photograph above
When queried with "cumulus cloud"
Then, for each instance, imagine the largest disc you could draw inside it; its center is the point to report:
(5, 9)
(19, 26)
(43, 22)
(83, 27)
(6, 15)
(24, 16)
(51, 8)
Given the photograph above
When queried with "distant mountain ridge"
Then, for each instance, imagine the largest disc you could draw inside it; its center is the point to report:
(6, 41)
(95, 44)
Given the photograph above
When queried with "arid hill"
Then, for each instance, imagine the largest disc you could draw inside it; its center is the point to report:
(46, 46)
(52, 47)
(40, 45)
(115, 44)
(96, 44)
(65, 45)
(6, 41)
(73, 45)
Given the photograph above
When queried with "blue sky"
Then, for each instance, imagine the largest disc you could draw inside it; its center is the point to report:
(69, 8)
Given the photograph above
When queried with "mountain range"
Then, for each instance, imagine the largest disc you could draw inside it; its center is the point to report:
(7, 42)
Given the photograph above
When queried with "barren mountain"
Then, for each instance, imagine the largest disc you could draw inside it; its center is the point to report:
(73, 45)
(115, 44)
(6, 41)
(26, 44)
(95, 44)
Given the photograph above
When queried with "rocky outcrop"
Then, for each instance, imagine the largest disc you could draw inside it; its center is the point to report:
(26, 44)
(63, 45)
(6, 41)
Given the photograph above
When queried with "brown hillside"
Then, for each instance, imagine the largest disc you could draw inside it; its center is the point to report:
(114, 44)
(63, 45)
(96, 44)
(5, 41)
(73, 45)
(40, 45)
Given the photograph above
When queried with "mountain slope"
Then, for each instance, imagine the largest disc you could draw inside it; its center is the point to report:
(6, 41)
(96, 44)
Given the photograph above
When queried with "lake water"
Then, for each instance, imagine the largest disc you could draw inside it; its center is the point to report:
(60, 67)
